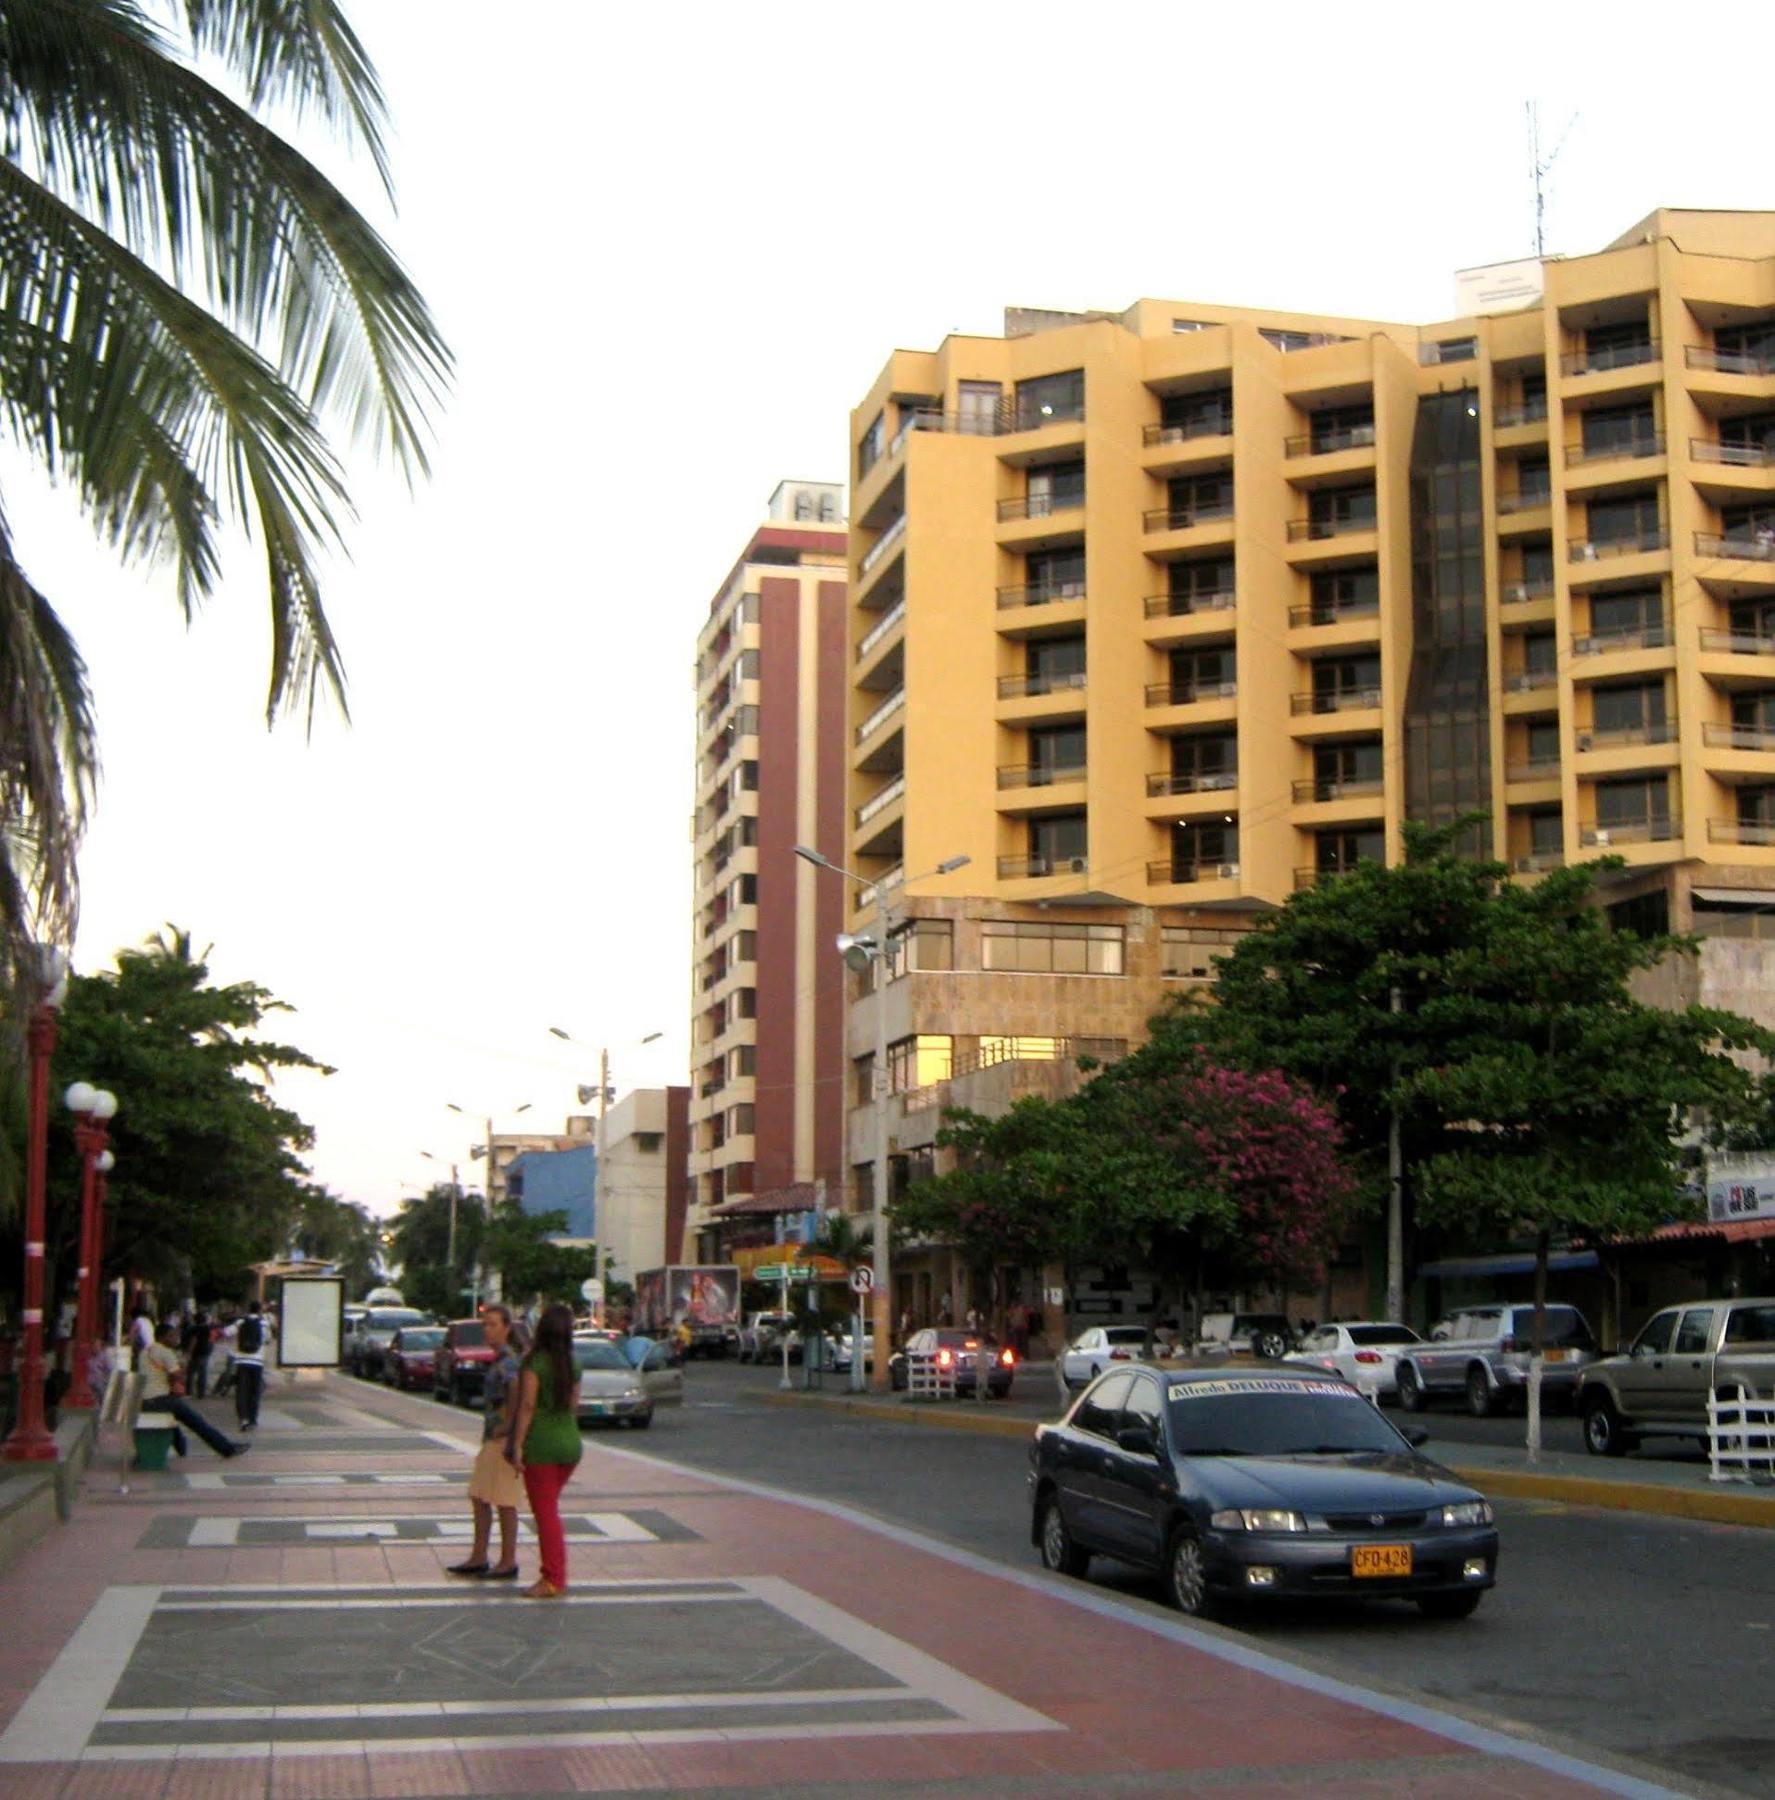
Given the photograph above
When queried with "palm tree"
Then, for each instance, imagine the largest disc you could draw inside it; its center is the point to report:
(186, 304)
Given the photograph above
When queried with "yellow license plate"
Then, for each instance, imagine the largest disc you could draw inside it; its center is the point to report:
(1381, 1559)
(1555, 1355)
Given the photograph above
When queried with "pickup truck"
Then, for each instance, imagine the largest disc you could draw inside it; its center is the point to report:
(1660, 1385)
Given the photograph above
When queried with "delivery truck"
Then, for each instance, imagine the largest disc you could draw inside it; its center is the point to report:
(703, 1296)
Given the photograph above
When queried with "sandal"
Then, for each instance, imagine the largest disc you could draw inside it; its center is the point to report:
(468, 1568)
(543, 1590)
(490, 1574)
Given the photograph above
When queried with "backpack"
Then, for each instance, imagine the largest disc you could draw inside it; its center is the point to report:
(252, 1336)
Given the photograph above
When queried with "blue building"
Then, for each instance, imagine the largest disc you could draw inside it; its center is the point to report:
(566, 1181)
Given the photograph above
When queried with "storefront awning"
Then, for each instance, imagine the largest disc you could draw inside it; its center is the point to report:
(1559, 1262)
(801, 1196)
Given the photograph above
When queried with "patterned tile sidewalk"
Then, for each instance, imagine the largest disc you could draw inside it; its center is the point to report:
(282, 1625)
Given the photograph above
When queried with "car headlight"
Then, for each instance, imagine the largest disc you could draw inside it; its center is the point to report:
(1257, 1519)
(1468, 1512)
(631, 1393)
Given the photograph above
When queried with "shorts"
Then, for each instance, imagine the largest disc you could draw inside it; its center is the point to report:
(493, 1479)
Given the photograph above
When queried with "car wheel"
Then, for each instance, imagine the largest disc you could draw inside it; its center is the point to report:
(1449, 1606)
(1060, 1554)
(1603, 1435)
(1186, 1575)
(1411, 1394)
(1271, 1346)
(1479, 1394)
(640, 1421)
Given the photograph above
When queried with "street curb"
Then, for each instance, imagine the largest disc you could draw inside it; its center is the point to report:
(1708, 1505)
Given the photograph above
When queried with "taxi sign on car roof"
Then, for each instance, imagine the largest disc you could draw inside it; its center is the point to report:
(1223, 1385)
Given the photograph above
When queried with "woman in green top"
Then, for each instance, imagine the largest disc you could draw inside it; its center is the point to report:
(544, 1444)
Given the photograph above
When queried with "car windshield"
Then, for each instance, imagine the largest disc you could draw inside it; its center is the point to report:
(598, 1353)
(1125, 1334)
(1566, 1329)
(393, 1321)
(1381, 1334)
(1251, 1415)
(421, 1340)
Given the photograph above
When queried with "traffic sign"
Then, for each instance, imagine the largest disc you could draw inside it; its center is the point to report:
(862, 1279)
(783, 1273)
(591, 1290)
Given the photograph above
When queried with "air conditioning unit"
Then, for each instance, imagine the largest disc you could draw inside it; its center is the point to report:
(1587, 553)
(1076, 865)
(1518, 592)
(1602, 840)
(1226, 871)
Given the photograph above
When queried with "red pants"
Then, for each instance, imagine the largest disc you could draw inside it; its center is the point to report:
(543, 1482)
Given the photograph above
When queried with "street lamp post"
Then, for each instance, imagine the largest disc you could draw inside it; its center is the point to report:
(93, 1109)
(859, 953)
(30, 1440)
(483, 1149)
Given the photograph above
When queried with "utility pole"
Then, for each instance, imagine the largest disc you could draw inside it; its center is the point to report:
(598, 1178)
(1395, 1191)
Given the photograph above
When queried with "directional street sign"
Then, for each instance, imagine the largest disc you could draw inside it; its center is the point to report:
(783, 1272)
(862, 1279)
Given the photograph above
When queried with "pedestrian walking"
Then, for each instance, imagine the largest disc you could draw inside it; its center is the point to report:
(545, 1441)
(945, 1312)
(163, 1382)
(249, 1367)
(495, 1485)
(196, 1347)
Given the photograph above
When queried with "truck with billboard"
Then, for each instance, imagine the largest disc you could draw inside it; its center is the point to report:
(704, 1296)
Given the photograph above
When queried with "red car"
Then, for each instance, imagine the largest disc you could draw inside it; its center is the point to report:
(410, 1361)
(460, 1361)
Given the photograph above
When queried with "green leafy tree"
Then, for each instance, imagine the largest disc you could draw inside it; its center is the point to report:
(419, 1244)
(521, 1246)
(187, 307)
(209, 1172)
(341, 1232)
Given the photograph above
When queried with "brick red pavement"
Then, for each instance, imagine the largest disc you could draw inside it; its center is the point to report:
(1095, 1692)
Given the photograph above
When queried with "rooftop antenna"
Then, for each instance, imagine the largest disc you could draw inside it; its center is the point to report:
(1540, 167)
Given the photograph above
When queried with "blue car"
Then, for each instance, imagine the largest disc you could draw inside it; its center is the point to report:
(1235, 1486)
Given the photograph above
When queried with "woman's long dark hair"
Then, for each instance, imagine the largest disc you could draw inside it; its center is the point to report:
(554, 1344)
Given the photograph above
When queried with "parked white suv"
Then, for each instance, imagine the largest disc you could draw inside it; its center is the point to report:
(1481, 1353)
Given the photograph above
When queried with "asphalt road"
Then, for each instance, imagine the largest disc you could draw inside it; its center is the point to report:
(1646, 1637)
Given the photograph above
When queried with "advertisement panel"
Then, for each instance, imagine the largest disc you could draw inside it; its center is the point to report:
(310, 1321)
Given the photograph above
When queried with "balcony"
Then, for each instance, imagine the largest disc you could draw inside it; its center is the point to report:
(866, 897)
(1736, 456)
(1338, 613)
(1180, 606)
(1758, 546)
(1038, 868)
(1531, 412)
(1219, 781)
(1608, 450)
(1185, 518)
(1352, 699)
(1189, 693)
(1184, 871)
(1317, 792)
(1726, 362)
(888, 622)
(1630, 831)
(1740, 831)
(1538, 862)
(1040, 593)
(1626, 637)
(1038, 775)
(1620, 737)
(1737, 643)
(1328, 443)
(1525, 593)
(1531, 501)
(1540, 768)
(1040, 506)
(1738, 737)
(882, 545)
(1599, 362)
(1061, 681)
(1209, 425)
(1314, 530)
(891, 705)
(1530, 681)
(1634, 544)
(882, 800)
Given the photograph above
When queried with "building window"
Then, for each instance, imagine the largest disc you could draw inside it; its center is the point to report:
(1645, 915)
(1640, 801)
(742, 1060)
(863, 1079)
(1337, 852)
(1054, 575)
(1192, 324)
(1189, 952)
(863, 1186)
(1198, 415)
(1634, 707)
(871, 445)
(649, 1143)
(921, 944)
(1546, 832)
(1338, 592)
(1056, 843)
(1050, 399)
(740, 1120)
(978, 404)
(1041, 947)
(828, 508)
(1205, 851)
(1054, 487)
(917, 1062)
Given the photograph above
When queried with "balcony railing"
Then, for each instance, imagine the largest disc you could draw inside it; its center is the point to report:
(1655, 636)
(879, 802)
(1180, 606)
(1524, 593)
(1021, 687)
(1737, 546)
(881, 628)
(1216, 781)
(1328, 443)
(865, 897)
(1040, 506)
(1630, 831)
(1739, 643)
(1350, 699)
(1208, 425)
(1738, 456)
(1599, 362)
(1639, 443)
(1531, 501)
(1530, 412)
(885, 710)
(882, 545)
(1310, 530)
(1615, 737)
(1038, 775)
(1188, 693)
(1037, 868)
(1041, 593)
(1528, 681)
(1539, 861)
(1181, 871)
(1738, 737)
(1633, 544)
(1183, 518)
(1741, 831)
(1334, 614)
(1727, 362)
(1005, 418)
(1316, 791)
(1538, 768)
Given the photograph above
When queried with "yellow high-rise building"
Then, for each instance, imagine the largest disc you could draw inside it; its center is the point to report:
(1158, 615)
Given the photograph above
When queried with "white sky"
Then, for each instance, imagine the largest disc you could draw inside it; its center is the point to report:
(671, 246)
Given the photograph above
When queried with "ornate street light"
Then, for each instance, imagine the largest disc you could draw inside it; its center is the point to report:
(93, 1109)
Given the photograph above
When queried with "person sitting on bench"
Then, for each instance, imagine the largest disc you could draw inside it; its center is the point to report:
(163, 1385)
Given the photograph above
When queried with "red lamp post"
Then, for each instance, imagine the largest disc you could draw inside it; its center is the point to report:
(30, 1440)
(93, 1109)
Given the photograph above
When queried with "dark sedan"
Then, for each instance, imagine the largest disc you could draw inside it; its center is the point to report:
(1245, 1486)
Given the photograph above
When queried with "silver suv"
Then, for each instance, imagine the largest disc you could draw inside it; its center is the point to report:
(1482, 1354)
